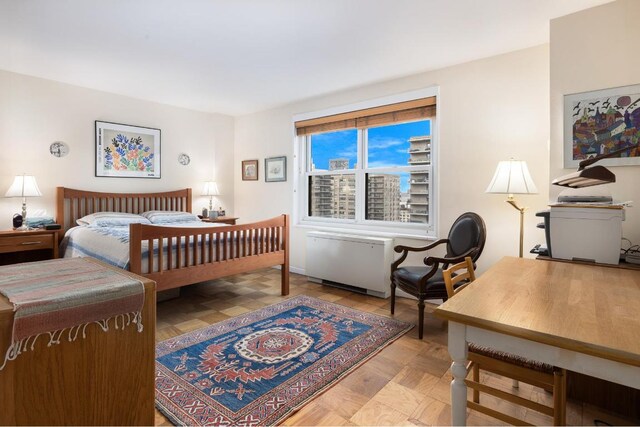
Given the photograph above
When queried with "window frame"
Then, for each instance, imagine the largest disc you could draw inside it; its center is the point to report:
(302, 157)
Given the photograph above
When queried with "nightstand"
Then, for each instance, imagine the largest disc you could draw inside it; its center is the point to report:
(222, 220)
(24, 246)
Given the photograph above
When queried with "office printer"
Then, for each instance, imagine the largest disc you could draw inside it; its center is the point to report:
(585, 226)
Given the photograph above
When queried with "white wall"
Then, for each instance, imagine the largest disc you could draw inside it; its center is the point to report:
(490, 110)
(591, 50)
(36, 112)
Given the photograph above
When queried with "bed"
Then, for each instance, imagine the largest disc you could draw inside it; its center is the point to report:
(177, 255)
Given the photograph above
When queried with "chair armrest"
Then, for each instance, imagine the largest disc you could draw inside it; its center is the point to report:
(401, 248)
(406, 249)
(432, 260)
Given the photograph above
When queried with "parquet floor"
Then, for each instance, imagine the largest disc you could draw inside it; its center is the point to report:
(407, 383)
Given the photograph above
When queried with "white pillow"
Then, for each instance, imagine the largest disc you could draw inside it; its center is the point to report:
(167, 217)
(111, 219)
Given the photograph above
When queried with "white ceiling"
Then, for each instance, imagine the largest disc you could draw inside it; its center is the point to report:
(242, 56)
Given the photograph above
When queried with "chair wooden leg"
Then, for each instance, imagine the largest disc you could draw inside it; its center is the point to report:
(393, 297)
(476, 378)
(560, 397)
(420, 317)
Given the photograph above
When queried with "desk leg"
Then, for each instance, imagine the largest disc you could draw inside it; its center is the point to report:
(458, 352)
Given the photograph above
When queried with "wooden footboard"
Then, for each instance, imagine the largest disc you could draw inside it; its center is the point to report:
(192, 255)
(201, 254)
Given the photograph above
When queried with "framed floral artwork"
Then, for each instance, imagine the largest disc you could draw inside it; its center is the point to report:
(126, 151)
(249, 170)
(275, 169)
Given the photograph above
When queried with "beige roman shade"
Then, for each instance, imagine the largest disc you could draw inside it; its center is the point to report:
(385, 114)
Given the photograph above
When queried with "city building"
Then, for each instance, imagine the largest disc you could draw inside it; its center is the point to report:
(333, 196)
(419, 154)
(383, 197)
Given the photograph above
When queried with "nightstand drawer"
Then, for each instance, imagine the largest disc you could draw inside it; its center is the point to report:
(29, 242)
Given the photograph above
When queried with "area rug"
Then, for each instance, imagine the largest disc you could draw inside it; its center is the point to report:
(257, 368)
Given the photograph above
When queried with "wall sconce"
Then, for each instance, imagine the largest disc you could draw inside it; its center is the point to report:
(595, 175)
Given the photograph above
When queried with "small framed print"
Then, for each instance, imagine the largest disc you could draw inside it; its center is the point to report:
(250, 170)
(275, 169)
(126, 151)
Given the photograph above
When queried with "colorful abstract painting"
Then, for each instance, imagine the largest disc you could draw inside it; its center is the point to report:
(127, 151)
(256, 368)
(601, 122)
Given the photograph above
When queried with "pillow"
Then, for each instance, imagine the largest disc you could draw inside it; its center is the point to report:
(111, 219)
(166, 217)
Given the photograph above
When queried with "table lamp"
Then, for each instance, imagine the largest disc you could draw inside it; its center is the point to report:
(512, 177)
(210, 189)
(24, 186)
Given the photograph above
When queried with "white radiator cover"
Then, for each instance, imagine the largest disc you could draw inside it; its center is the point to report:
(354, 260)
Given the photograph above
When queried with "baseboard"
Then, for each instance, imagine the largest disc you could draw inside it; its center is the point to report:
(296, 270)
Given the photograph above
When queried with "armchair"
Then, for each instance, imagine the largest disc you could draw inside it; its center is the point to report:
(466, 239)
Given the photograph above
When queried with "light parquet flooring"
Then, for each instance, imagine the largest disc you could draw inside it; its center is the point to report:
(407, 383)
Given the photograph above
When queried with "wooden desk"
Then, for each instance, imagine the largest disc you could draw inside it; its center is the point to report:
(106, 378)
(579, 317)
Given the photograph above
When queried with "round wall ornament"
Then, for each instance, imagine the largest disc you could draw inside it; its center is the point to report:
(184, 159)
(59, 149)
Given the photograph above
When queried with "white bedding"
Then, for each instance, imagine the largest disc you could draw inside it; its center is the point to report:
(111, 245)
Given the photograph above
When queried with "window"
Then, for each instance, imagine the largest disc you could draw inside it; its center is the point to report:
(369, 169)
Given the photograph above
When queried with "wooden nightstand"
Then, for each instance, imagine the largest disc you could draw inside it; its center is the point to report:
(222, 219)
(24, 246)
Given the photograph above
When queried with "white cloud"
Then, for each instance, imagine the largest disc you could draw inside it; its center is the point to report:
(381, 164)
(382, 143)
(348, 153)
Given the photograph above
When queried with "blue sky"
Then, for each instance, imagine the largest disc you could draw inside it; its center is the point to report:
(388, 146)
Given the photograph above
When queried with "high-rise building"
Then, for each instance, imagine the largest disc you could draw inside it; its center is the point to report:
(419, 154)
(333, 196)
(383, 197)
(338, 164)
(404, 207)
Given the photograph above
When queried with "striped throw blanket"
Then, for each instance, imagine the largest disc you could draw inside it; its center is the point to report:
(63, 296)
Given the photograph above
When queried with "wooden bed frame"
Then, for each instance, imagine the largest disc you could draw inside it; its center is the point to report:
(238, 248)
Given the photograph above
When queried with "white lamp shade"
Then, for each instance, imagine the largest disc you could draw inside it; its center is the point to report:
(512, 177)
(210, 188)
(24, 186)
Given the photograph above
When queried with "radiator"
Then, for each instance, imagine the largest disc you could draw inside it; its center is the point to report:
(353, 260)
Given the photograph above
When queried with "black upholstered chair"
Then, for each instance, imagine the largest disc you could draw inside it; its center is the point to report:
(466, 238)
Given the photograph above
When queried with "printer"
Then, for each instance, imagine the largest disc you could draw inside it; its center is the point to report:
(584, 226)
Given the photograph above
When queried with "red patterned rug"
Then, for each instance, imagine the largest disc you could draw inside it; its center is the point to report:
(257, 368)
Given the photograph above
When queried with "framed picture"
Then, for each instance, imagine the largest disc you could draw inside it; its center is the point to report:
(249, 170)
(275, 169)
(125, 151)
(600, 122)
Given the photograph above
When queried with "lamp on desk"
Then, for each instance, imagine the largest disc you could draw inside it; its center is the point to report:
(590, 176)
(513, 177)
(210, 189)
(24, 186)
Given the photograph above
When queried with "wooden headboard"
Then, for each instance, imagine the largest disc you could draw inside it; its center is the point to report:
(73, 204)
